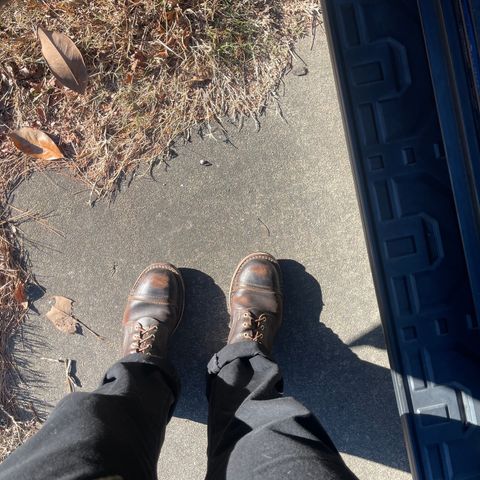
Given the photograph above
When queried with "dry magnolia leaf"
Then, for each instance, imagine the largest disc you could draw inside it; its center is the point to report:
(61, 315)
(35, 143)
(64, 59)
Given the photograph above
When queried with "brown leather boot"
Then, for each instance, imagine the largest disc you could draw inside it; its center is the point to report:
(256, 302)
(154, 310)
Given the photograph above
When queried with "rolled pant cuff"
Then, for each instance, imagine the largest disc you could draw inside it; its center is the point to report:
(161, 362)
(233, 351)
(166, 367)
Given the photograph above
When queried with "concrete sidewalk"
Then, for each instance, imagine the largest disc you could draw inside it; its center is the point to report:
(286, 189)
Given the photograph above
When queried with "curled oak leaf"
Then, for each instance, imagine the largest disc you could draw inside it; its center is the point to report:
(20, 295)
(61, 315)
(129, 78)
(35, 143)
(64, 60)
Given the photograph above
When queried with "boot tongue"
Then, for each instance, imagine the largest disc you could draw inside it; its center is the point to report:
(147, 322)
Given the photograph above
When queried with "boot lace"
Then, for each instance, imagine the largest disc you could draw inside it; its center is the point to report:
(255, 326)
(143, 339)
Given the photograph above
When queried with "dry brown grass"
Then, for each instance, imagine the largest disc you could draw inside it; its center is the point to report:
(158, 69)
(14, 434)
(12, 279)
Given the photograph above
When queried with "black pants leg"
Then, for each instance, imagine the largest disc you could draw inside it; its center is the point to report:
(254, 431)
(117, 430)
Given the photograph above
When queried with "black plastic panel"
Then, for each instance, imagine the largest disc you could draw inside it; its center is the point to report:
(453, 57)
(411, 225)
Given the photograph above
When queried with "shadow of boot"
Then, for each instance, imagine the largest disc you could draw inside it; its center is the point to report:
(353, 399)
(203, 331)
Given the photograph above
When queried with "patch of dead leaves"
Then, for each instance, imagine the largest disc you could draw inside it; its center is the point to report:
(68, 67)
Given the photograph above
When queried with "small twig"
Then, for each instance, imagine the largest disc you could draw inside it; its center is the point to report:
(164, 45)
(294, 53)
(36, 217)
(59, 360)
(89, 329)
(70, 379)
(35, 413)
(12, 419)
(268, 230)
(91, 202)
